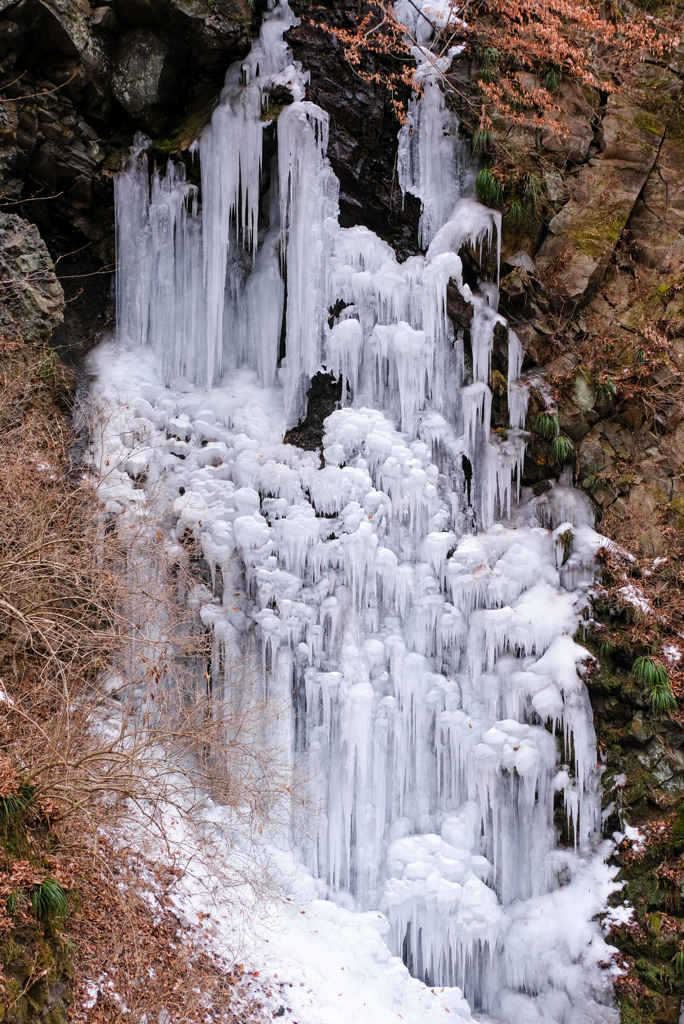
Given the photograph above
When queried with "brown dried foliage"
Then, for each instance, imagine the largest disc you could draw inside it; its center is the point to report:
(578, 39)
(131, 944)
(379, 52)
(79, 604)
(572, 37)
(628, 984)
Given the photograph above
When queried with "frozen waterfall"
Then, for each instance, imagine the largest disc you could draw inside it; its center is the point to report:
(410, 601)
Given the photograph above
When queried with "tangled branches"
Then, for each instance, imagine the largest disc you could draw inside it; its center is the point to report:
(522, 49)
(108, 723)
(379, 52)
(549, 40)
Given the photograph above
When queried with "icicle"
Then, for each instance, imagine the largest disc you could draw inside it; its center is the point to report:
(392, 586)
(344, 354)
(432, 158)
(472, 223)
(308, 205)
(133, 245)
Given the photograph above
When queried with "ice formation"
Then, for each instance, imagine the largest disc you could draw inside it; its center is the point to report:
(413, 606)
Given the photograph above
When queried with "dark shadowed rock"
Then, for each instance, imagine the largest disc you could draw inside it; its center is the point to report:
(323, 397)
(363, 129)
(143, 71)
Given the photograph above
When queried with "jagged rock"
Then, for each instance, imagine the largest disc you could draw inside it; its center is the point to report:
(596, 454)
(32, 303)
(460, 311)
(68, 23)
(144, 72)
(583, 235)
(583, 392)
(58, 34)
(209, 29)
(657, 222)
(537, 340)
(363, 128)
(79, 65)
(572, 422)
(575, 115)
(103, 19)
(643, 508)
(512, 289)
(620, 440)
(572, 112)
(521, 259)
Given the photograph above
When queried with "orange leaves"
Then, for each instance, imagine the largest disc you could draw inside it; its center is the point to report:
(546, 38)
(9, 780)
(565, 37)
(379, 52)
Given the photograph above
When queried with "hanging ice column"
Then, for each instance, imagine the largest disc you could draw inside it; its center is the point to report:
(429, 653)
(308, 211)
(183, 283)
(433, 156)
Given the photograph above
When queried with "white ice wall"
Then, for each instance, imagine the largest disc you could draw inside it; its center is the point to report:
(402, 592)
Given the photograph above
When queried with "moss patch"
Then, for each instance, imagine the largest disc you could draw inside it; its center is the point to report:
(197, 117)
(597, 230)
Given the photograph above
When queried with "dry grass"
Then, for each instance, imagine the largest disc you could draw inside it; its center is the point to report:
(131, 943)
(150, 746)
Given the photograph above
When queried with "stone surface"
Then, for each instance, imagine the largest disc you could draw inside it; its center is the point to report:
(143, 71)
(363, 129)
(82, 79)
(576, 115)
(582, 236)
(657, 222)
(32, 299)
(582, 303)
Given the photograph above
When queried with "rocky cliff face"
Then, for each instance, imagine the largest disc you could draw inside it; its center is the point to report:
(363, 128)
(31, 297)
(77, 80)
(592, 282)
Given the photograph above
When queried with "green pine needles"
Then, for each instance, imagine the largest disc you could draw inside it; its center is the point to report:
(15, 901)
(547, 425)
(49, 900)
(561, 449)
(14, 806)
(483, 140)
(656, 682)
(678, 962)
(488, 189)
(593, 481)
(489, 64)
(551, 78)
(516, 212)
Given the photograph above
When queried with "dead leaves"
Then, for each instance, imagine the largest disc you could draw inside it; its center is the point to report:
(134, 953)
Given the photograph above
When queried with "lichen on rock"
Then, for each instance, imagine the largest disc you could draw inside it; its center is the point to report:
(32, 298)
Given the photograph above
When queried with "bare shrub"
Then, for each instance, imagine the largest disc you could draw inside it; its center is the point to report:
(108, 718)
